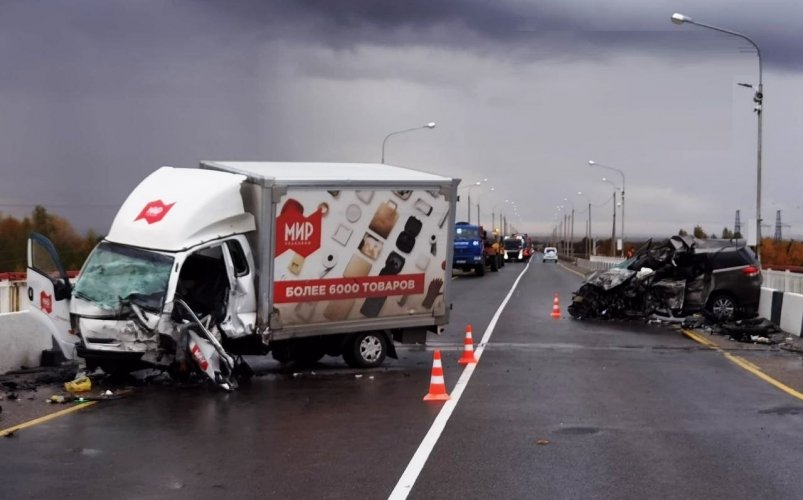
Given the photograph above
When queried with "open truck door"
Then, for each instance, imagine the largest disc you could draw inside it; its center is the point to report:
(49, 292)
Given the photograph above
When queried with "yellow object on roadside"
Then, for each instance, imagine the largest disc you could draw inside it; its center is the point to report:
(82, 384)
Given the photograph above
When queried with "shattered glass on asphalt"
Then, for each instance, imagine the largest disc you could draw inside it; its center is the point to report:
(114, 272)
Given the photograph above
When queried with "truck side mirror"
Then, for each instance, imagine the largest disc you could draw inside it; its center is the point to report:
(61, 290)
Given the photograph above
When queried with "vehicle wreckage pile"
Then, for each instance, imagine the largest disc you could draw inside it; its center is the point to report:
(673, 279)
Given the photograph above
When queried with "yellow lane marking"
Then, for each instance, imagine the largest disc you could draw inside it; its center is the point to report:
(701, 340)
(763, 376)
(46, 418)
(747, 365)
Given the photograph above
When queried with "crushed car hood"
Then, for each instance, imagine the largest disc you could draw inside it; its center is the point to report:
(611, 278)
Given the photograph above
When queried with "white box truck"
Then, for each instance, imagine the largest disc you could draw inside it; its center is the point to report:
(204, 265)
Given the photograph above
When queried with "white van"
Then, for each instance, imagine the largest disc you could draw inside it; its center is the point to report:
(232, 258)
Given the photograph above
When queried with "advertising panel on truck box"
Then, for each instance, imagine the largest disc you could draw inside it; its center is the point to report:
(351, 254)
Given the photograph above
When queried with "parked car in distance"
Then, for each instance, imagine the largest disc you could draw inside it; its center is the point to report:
(550, 254)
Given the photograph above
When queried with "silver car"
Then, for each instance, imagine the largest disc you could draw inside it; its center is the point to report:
(550, 254)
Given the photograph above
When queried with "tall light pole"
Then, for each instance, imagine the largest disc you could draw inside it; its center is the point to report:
(478, 206)
(613, 230)
(493, 217)
(571, 236)
(589, 243)
(470, 187)
(595, 164)
(758, 98)
(429, 125)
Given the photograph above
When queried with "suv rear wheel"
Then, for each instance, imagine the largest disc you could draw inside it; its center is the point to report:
(722, 307)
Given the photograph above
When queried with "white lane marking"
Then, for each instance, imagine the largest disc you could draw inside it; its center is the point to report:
(413, 470)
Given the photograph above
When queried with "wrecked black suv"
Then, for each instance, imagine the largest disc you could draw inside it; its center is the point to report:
(674, 278)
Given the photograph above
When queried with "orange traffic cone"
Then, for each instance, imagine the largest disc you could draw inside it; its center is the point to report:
(468, 349)
(556, 307)
(437, 387)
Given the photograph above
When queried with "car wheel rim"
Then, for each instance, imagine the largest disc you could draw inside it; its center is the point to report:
(723, 308)
(370, 348)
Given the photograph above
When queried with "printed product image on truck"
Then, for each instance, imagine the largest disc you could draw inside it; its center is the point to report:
(301, 260)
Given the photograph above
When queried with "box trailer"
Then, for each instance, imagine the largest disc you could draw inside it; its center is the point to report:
(300, 260)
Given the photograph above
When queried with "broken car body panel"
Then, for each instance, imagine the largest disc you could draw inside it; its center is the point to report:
(678, 276)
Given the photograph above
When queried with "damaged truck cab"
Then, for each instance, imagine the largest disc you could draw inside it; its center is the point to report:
(204, 265)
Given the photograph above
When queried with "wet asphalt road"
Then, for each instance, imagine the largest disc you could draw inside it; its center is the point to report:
(629, 411)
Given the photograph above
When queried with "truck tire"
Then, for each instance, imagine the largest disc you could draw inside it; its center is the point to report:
(280, 350)
(494, 264)
(366, 350)
(480, 269)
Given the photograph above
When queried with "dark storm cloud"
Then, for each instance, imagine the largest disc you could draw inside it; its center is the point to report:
(95, 94)
(499, 27)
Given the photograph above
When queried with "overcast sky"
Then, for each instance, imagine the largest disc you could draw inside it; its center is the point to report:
(96, 94)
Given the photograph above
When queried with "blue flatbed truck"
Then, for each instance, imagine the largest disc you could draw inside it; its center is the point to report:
(471, 249)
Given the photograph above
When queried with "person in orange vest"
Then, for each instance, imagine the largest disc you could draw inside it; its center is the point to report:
(497, 247)
(491, 251)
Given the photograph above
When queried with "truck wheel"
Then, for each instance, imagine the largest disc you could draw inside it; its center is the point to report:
(480, 270)
(281, 352)
(366, 350)
(309, 356)
(494, 264)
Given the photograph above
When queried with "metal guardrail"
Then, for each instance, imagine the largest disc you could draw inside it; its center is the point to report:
(13, 296)
(597, 263)
(784, 281)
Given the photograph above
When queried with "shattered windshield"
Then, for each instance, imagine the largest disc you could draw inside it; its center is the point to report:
(114, 272)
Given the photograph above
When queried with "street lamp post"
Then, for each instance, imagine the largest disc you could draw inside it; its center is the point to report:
(478, 206)
(470, 187)
(589, 244)
(758, 98)
(613, 229)
(571, 236)
(429, 125)
(493, 217)
(595, 164)
(561, 227)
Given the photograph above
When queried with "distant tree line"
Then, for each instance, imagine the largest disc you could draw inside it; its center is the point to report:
(73, 248)
(699, 232)
(773, 252)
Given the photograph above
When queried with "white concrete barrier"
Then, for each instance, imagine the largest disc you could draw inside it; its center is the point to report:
(765, 303)
(784, 309)
(791, 313)
(22, 340)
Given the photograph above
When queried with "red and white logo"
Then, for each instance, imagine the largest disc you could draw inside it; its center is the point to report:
(296, 232)
(199, 357)
(46, 302)
(154, 211)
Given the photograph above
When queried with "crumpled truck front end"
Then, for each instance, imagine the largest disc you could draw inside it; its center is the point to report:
(118, 304)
